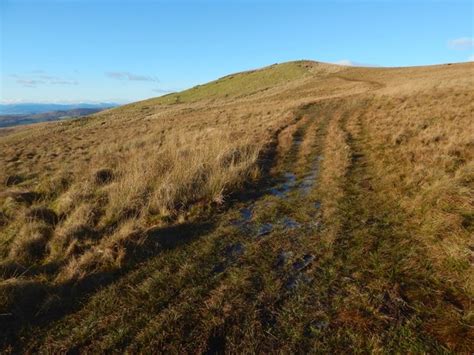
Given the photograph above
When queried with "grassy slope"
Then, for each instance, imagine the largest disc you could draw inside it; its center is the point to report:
(391, 242)
(240, 84)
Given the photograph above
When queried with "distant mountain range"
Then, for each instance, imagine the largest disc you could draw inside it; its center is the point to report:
(19, 114)
(34, 108)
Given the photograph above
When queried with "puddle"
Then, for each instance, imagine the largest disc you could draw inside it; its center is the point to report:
(219, 268)
(246, 214)
(264, 229)
(290, 224)
(282, 189)
(292, 283)
(233, 251)
(244, 222)
(303, 263)
(247, 227)
(310, 180)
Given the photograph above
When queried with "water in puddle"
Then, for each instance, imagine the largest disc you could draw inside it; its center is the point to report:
(246, 214)
(310, 179)
(244, 222)
(289, 182)
(247, 227)
(289, 223)
(264, 229)
(219, 268)
(233, 251)
(305, 262)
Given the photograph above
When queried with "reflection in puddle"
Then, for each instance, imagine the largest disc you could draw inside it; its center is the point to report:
(305, 262)
(289, 223)
(235, 250)
(264, 229)
(281, 190)
(310, 179)
(244, 222)
(286, 184)
(246, 214)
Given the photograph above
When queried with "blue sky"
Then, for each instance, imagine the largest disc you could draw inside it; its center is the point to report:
(104, 50)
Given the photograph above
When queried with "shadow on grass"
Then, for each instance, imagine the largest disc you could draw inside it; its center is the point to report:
(37, 303)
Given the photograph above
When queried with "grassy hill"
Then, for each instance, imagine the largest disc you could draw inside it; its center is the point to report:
(299, 206)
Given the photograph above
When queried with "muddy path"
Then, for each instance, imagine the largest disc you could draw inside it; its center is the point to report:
(258, 255)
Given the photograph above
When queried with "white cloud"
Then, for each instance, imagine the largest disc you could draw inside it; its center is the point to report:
(40, 78)
(350, 63)
(123, 75)
(471, 58)
(345, 62)
(462, 43)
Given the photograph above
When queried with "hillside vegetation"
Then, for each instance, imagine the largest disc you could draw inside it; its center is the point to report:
(296, 207)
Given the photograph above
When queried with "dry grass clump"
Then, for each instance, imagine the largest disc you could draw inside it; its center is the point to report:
(30, 245)
(76, 233)
(108, 255)
(42, 214)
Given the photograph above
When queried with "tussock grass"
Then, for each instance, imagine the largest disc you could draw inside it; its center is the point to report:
(30, 245)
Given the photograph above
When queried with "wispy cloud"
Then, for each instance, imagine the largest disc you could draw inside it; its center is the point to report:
(39, 77)
(63, 82)
(471, 58)
(350, 63)
(163, 91)
(462, 43)
(124, 75)
(30, 83)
